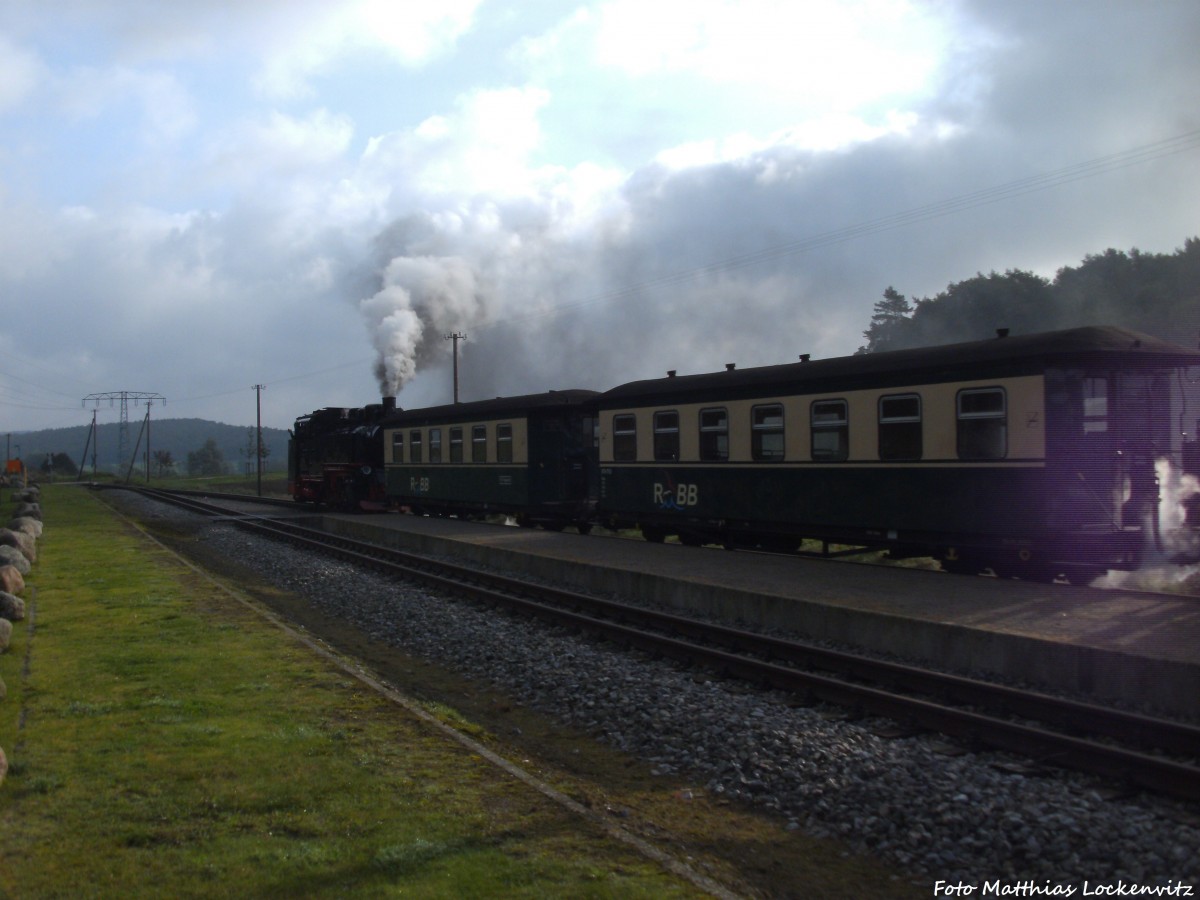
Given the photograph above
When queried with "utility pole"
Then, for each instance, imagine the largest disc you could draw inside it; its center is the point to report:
(456, 337)
(258, 389)
(123, 433)
(91, 442)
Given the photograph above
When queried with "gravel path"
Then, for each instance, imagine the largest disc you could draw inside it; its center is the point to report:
(954, 818)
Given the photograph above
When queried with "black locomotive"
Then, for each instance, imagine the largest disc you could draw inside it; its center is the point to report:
(335, 457)
(1035, 455)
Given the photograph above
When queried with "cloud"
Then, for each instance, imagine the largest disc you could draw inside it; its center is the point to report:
(20, 73)
(854, 51)
(484, 144)
(278, 147)
(165, 106)
(410, 33)
(826, 74)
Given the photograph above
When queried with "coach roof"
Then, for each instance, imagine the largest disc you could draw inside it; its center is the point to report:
(490, 409)
(996, 357)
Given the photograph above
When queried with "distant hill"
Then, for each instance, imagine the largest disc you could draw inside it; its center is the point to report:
(179, 436)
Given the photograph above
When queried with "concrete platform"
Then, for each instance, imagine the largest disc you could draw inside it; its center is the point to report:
(1108, 644)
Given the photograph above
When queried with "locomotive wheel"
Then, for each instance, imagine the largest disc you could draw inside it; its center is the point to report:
(584, 527)
(653, 535)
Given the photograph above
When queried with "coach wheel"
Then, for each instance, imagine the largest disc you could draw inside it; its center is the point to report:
(584, 527)
(691, 540)
(653, 535)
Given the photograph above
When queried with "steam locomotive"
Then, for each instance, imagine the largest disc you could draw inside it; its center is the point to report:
(1033, 456)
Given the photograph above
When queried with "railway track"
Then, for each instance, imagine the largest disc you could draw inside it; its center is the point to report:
(1140, 751)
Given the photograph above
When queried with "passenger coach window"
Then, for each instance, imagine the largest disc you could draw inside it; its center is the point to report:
(456, 445)
(1095, 405)
(414, 446)
(398, 446)
(666, 436)
(714, 435)
(900, 427)
(766, 432)
(982, 424)
(479, 443)
(435, 445)
(830, 430)
(624, 438)
(504, 442)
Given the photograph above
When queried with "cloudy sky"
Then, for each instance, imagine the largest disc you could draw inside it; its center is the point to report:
(204, 195)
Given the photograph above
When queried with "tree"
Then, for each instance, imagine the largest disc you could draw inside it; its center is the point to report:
(889, 321)
(1152, 292)
(973, 309)
(163, 462)
(59, 464)
(208, 460)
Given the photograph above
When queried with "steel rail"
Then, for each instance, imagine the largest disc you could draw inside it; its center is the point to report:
(1045, 746)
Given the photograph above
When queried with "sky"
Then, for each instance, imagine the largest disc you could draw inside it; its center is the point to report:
(201, 196)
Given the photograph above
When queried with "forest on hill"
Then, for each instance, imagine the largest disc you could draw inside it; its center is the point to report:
(1156, 293)
(227, 448)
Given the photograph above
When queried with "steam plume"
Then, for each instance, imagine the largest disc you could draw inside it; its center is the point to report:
(1174, 568)
(419, 294)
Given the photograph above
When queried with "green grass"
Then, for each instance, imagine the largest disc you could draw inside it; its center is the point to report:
(166, 741)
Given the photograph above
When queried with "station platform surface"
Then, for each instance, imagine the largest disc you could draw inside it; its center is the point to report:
(1119, 645)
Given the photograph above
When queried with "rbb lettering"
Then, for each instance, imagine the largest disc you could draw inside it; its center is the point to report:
(678, 496)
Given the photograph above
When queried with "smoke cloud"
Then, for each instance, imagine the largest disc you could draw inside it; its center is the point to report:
(421, 296)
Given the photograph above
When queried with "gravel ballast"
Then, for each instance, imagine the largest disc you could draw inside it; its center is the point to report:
(966, 818)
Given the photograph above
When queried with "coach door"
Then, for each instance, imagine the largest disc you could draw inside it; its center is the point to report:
(1140, 419)
(559, 450)
(1085, 488)
(1105, 429)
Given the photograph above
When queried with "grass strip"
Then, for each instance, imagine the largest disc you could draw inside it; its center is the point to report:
(166, 741)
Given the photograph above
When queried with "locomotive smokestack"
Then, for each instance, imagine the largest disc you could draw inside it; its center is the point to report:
(389, 404)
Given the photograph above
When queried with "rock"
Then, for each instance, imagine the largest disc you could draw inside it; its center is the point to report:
(11, 580)
(3, 765)
(11, 556)
(31, 527)
(29, 510)
(5, 634)
(21, 541)
(11, 608)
